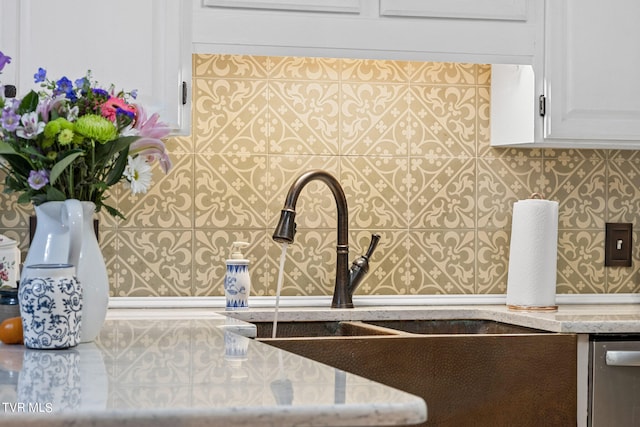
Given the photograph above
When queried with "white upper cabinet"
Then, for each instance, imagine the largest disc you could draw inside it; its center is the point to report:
(586, 91)
(142, 44)
(484, 31)
(592, 70)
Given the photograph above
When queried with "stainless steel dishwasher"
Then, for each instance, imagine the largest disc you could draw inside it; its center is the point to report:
(614, 381)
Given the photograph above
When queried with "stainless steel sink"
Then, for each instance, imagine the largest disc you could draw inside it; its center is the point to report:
(454, 326)
(264, 330)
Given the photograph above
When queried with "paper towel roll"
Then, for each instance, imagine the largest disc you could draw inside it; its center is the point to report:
(533, 255)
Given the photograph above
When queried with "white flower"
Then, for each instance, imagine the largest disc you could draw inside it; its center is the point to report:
(138, 174)
(31, 127)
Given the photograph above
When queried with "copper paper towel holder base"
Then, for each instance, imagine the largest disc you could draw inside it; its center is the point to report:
(532, 308)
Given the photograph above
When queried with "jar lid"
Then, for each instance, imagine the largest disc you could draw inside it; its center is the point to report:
(8, 296)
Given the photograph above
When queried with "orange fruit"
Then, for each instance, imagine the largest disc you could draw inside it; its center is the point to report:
(11, 331)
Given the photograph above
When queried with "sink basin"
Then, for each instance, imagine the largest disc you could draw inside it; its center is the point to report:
(454, 326)
(484, 380)
(319, 329)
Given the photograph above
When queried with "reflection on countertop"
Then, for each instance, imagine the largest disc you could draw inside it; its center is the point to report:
(194, 369)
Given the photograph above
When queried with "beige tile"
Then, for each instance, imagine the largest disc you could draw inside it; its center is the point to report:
(358, 70)
(390, 272)
(443, 120)
(578, 184)
(152, 262)
(442, 193)
(316, 206)
(443, 73)
(374, 119)
(230, 116)
(492, 261)
(230, 66)
(299, 68)
(623, 186)
(501, 182)
(212, 249)
(230, 192)
(167, 204)
(441, 262)
(581, 262)
(376, 190)
(303, 117)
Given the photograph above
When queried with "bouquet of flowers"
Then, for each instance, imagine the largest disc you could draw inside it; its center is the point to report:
(74, 140)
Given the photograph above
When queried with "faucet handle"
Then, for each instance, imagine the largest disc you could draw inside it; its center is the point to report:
(375, 238)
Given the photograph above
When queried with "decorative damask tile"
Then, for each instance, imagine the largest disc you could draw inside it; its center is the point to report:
(300, 68)
(359, 70)
(581, 262)
(304, 117)
(230, 116)
(442, 193)
(316, 206)
(578, 184)
(483, 115)
(443, 120)
(212, 249)
(377, 191)
(310, 263)
(502, 182)
(623, 186)
(625, 279)
(231, 66)
(443, 73)
(152, 262)
(492, 261)
(390, 272)
(167, 204)
(441, 262)
(374, 119)
(230, 191)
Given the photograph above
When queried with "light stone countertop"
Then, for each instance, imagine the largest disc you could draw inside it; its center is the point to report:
(569, 318)
(187, 368)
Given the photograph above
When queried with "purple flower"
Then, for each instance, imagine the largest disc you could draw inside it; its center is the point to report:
(31, 127)
(38, 179)
(40, 76)
(4, 60)
(81, 82)
(9, 119)
(101, 92)
(134, 93)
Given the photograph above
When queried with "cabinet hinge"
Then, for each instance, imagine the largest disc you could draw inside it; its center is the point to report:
(542, 105)
(184, 93)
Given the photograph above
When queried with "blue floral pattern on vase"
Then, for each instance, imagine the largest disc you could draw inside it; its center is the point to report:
(51, 310)
(235, 286)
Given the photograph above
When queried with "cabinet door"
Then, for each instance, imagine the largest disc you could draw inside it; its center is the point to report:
(142, 44)
(591, 70)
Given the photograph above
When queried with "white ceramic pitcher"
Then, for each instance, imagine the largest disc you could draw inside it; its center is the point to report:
(65, 235)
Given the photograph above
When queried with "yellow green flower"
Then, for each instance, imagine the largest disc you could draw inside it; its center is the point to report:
(96, 127)
(65, 137)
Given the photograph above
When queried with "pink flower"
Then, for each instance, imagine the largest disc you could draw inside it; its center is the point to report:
(152, 149)
(112, 105)
(150, 126)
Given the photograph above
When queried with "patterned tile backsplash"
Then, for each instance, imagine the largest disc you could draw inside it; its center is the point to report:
(409, 141)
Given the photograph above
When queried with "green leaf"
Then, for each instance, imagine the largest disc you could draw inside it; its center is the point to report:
(113, 211)
(24, 198)
(104, 152)
(53, 194)
(59, 167)
(20, 163)
(29, 103)
(115, 174)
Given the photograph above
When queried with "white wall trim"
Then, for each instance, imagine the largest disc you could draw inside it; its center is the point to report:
(373, 300)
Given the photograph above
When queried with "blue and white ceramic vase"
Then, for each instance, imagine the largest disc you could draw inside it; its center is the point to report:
(237, 285)
(50, 299)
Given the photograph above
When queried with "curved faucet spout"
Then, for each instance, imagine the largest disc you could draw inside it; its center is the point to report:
(285, 230)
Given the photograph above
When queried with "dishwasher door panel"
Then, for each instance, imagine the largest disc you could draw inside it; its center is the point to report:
(614, 383)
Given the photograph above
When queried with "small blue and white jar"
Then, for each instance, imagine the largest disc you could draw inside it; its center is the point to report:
(237, 285)
(50, 299)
